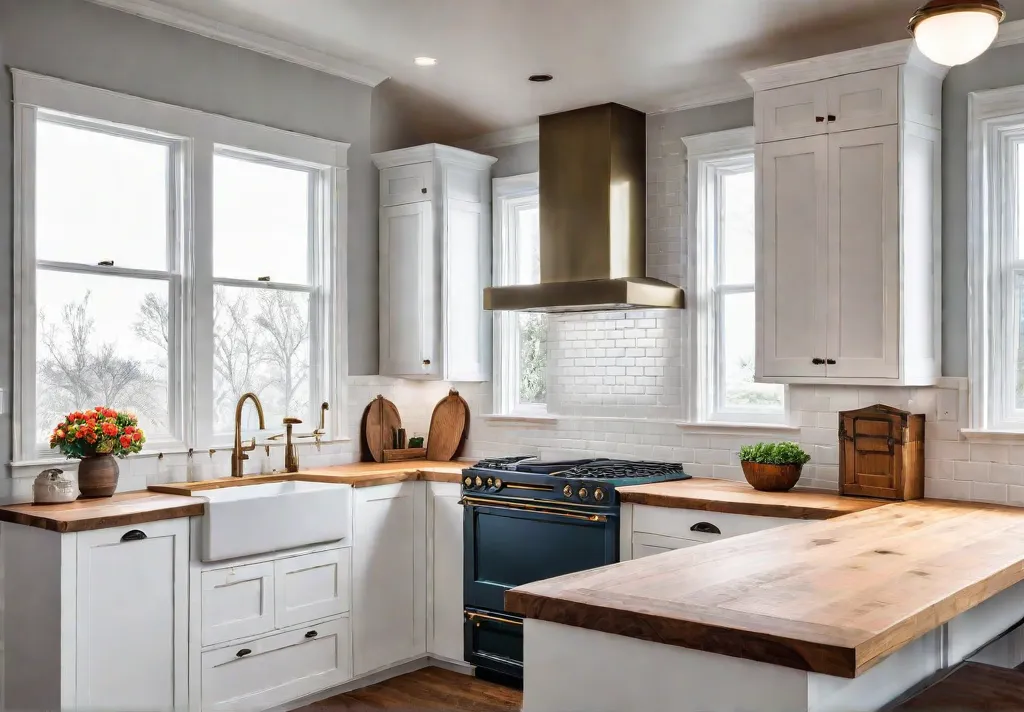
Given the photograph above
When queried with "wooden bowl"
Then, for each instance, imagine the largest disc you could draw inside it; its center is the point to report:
(771, 478)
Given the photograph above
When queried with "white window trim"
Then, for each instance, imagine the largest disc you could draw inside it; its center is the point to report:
(996, 128)
(507, 194)
(706, 153)
(197, 133)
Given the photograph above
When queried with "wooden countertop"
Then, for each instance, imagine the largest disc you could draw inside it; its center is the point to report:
(357, 474)
(740, 498)
(834, 597)
(117, 511)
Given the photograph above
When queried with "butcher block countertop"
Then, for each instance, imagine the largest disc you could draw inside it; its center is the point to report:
(740, 498)
(834, 597)
(358, 474)
(88, 514)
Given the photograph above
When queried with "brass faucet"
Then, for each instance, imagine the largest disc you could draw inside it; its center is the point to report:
(238, 455)
(291, 453)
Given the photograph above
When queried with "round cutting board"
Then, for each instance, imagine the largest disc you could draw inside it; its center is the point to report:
(448, 427)
(379, 426)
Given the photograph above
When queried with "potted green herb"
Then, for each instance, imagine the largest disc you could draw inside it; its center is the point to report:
(772, 467)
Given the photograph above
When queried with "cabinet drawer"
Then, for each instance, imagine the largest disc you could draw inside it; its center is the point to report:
(238, 602)
(267, 672)
(698, 525)
(406, 184)
(651, 544)
(311, 587)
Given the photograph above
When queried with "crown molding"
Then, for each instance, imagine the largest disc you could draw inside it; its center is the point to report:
(505, 137)
(702, 96)
(698, 145)
(429, 152)
(247, 39)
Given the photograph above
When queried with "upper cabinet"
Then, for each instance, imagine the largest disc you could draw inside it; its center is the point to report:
(848, 218)
(435, 260)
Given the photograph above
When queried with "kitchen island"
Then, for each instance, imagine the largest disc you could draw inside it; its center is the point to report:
(841, 614)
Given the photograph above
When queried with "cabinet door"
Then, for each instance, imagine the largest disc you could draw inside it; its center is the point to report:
(467, 265)
(791, 112)
(408, 291)
(864, 254)
(864, 99)
(132, 617)
(237, 602)
(406, 184)
(792, 289)
(312, 586)
(444, 570)
(388, 575)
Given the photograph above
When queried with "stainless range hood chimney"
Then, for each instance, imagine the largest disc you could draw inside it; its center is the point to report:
(593, 237)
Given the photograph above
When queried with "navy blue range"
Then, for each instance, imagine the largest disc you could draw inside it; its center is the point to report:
(527, 520)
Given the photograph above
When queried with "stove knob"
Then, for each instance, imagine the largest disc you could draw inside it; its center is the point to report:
(582, 493)
(479, 482)
(490, 482)
(567, 490)
(498, 483)
(599, 494)
(468, 482)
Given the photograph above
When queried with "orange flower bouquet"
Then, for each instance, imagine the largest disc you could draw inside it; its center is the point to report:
(100, 431)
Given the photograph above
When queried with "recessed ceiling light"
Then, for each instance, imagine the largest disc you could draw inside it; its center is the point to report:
(425, 61)
(540, 77)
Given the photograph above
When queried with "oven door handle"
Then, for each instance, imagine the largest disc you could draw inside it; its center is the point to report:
(476, 617)
(471, 502)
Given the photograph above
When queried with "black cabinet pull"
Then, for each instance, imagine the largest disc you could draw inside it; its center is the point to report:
(820, 119)
(818, 361)
(831, 117)
(134, 535)
(242, 653)
(705, 528)
(311, 634)
(830, 361)
(105, 263)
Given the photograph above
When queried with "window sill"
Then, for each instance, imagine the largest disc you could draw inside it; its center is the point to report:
(727, 428)
(513, 418)
(992, 436)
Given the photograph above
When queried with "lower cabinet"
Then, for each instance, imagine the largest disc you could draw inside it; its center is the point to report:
(444, 571)
(97, 619)
(269, 671)
(389, 612)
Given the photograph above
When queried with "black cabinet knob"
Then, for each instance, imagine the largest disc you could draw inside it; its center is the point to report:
(423, 190)
(830, 361)
(426, 362)
(311, 634)
(705, 528)
(242, 653)
(831, 117)
(818, 361)
(820, 119)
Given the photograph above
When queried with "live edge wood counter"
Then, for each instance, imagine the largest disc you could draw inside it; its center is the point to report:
(358, 474)
(736, 498)
(834, 597)
(89, 514)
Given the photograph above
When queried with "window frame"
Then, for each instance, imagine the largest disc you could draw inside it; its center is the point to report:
(995, 145)
(195, 136)
(510, 194)
(709, 158)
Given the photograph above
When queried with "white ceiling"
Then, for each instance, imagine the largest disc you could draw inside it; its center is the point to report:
(650, 54)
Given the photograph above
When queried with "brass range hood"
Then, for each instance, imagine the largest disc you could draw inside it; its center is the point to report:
(593, 236)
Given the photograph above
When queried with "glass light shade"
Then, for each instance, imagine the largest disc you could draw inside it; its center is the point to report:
(954, 38)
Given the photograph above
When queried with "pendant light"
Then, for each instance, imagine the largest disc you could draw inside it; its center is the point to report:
(951, 32)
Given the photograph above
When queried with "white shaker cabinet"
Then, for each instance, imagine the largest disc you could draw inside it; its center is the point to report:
(444, 571)
(389, 616)
(435, 260)
(96, 619)
(848, 219)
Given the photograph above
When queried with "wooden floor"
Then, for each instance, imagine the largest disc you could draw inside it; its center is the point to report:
(428, 689)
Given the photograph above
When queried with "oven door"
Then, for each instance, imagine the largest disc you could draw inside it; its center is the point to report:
(510, 544)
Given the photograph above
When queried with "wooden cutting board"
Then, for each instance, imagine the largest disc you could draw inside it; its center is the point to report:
(379, 424)
(449, 426)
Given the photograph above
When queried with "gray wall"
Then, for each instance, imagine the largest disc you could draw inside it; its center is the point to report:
(86, 43)
(997, 68)
(515, 160)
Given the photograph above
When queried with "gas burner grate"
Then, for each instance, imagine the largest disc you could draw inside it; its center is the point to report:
(502, 463)
(623, 469)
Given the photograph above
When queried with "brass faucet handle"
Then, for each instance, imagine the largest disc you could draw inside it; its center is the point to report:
(250, 447)
(291, 421)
